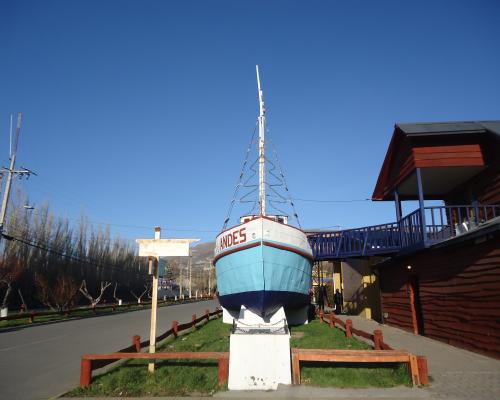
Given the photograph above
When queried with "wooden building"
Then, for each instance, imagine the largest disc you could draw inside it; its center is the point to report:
(446, 284)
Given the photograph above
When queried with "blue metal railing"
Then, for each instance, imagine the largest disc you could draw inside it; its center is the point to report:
(442, 222)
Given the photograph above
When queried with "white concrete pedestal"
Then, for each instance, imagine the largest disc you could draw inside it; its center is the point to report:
(259, 358)
(228, 316)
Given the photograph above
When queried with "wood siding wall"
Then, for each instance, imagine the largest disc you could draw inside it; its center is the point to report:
(490, 193)
(459, 294)
(484, 187)
(396, 167)
(448, 156)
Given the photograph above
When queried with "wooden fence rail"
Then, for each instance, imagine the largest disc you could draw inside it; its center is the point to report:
(378, 342)
(88, 361)
(355, 356)
(31, 315)
(377, 337)
(96, 361)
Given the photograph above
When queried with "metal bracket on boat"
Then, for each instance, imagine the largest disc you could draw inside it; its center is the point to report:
(279, 327)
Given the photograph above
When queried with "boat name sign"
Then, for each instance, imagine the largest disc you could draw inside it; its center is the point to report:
(233, 237)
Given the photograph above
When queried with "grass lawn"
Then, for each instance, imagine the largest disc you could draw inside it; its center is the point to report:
(61, 317)
(177, 378)
(320, 336)
(171, 378)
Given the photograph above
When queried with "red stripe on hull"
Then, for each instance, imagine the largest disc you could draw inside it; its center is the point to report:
(269, 244)
(292, 249)
(247, 246)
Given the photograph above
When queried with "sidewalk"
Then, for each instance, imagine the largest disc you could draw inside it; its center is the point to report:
(456, 373)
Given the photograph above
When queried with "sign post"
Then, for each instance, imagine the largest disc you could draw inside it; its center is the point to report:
(153, 267)
(154, 249)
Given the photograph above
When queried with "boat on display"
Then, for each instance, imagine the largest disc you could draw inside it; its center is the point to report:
(263, 263)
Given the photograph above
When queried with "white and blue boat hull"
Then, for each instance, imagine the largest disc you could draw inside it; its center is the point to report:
(264, 265)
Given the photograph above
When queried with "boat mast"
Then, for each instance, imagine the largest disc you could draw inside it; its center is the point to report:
(262, 160)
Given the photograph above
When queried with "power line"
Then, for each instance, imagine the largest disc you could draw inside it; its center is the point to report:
(61, 254)
(94, 222)
(331, 201)
(72, 198)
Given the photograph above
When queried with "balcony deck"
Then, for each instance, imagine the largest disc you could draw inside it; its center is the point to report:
(439, 223)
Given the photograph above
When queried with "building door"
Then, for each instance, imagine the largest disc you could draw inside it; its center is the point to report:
(416, 306)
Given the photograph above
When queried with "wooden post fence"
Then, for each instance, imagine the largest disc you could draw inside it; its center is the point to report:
(377, 339)
(136, 341)
(348, 328)
(175, 328)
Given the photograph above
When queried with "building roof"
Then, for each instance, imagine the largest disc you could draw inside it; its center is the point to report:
(454, 128)
(449, 153)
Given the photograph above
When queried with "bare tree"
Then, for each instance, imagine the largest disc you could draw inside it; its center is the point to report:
(9, 273)
(93, 300)
(139, 298)
(56, 295)
(114, 294)
(43, 291)
(24, 307)
(64, 291)
(49, 246)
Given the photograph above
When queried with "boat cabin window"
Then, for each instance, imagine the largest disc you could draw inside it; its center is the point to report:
(247, 218)
(282, 218)
(278, 218)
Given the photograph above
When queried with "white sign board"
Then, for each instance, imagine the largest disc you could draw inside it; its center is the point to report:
(164, 247)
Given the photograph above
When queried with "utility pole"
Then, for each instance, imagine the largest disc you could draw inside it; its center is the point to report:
(10, 172)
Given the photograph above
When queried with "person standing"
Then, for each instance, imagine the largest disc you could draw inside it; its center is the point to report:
(325, 296)
(321, 298)
(338, 300)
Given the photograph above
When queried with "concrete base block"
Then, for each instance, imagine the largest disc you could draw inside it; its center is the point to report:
(248, 317)
(228, 316)
(259, 361)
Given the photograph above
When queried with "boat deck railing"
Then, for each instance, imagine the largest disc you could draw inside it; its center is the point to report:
(440, 223)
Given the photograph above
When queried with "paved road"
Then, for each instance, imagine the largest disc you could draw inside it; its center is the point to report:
(39, 362)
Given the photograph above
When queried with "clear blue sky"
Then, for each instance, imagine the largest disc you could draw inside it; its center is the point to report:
(139, 112)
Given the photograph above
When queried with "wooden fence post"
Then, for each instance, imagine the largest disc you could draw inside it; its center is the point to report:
(413, 364)
(423, 372)
(377, 339)
(207, 315)
(295, 368)
(223, 373)
(331, 318)
(175, 328)
(348, 328)
(85, 372)
(136, 341)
